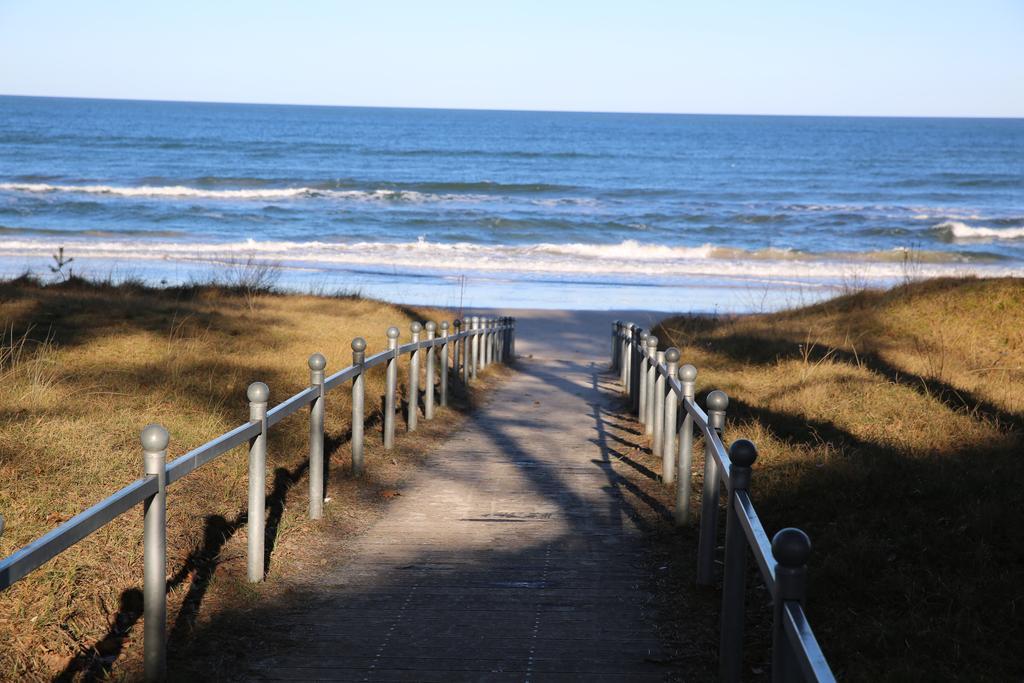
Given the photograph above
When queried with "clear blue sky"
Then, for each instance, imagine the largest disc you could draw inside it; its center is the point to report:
(898, 57)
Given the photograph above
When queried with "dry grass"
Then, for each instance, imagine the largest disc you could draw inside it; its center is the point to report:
(890, 428)
(84, 366)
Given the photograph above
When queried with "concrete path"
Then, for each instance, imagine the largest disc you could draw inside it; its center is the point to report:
(512, 556)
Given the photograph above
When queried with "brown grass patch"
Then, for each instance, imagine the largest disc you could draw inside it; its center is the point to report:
(890, 428)
(84, 366)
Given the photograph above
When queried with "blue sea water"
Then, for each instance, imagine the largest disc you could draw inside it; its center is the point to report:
(528, 209)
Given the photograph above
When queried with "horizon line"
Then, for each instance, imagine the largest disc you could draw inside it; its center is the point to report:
(511, 110)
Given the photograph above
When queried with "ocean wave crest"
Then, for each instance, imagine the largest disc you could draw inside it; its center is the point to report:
(960, 230)
(473, 192)
(592, 260)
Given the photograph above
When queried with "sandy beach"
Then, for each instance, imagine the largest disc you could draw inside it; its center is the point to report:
(567, 334)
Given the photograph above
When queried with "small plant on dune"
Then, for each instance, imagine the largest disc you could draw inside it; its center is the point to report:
(252, 277)
(912, 264)
(59, 263)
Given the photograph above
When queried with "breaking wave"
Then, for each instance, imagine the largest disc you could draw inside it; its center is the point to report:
(959, 230)
(628, 257)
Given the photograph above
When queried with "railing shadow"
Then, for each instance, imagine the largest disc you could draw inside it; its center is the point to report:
(199, 569)
(585, 516)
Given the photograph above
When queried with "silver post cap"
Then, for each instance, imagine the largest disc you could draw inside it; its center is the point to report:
(718, 400)
(791, 548)
(430, 326)
(743, 452)
(444, 325)
(258, 392)
(415, 328)
(688, 373)
(393, 332)
(358, 344)
(672, 355)
(154, 438)
(317, 362)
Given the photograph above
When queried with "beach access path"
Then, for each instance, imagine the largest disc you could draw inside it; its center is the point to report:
(511, 556)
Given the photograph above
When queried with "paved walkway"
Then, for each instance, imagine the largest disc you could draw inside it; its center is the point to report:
(512, 556)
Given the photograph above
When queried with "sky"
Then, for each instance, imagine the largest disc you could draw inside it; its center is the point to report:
(896, 58)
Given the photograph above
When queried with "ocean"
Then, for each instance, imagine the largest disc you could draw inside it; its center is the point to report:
(514, 209)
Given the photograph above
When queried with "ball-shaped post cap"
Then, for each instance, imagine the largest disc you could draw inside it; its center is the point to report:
(672, 355)
(718, 400)
(791, 548)
(358, 344)
(258, 392)
(155, 438)
(431, 326)
(444, 325)
(688, 373)
(415, 327)
(743, 452)
(456, 323)
(652, 341)
(317, 361)
(393, 332)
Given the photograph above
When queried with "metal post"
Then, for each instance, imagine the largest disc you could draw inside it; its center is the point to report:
(358, 404)
(627, 359)
(467, 350)
(491, 324)
(428, 382)
(688, 379)
(658, 418)
(443, 363)
(456, 352)
(641, 414)
(635, 370)
(652, 379)
(668, 439)
(485, 341)
(475, 346)
(791, 549)
(258, 394)
(154, 544)
(717, 402)
(481, 351)
(391, 389)
(742, 455)
(499, 339)
(615, 339)
(317, 363)
(414, 380)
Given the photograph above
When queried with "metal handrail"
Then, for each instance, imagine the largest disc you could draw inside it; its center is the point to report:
(657, 387)
(484, 341)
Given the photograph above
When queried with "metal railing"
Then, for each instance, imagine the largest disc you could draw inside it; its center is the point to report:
(657, 387)
(483, 342)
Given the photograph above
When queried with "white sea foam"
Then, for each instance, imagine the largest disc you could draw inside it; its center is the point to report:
(593, 261)
(161, 191)
(281, 193)
(959, 230)
(182, 191)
